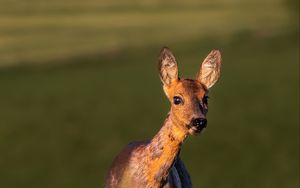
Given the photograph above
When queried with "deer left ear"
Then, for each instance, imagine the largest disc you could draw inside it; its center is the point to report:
(209, 72)
(168, 69)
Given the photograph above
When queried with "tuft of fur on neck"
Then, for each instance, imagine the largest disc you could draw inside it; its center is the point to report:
(163, 150)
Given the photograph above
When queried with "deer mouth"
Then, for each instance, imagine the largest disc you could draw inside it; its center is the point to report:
(196, 130)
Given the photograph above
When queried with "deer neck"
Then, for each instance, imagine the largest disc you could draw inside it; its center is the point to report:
(164, 148)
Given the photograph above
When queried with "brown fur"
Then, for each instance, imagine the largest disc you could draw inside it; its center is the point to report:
(156, 163)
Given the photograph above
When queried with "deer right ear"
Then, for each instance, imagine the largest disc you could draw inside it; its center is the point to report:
(168, 69)
(209, 72)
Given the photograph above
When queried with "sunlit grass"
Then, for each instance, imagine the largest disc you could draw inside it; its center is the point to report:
(44, 37)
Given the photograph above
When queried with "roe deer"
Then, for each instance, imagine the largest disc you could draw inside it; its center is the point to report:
(156, 163)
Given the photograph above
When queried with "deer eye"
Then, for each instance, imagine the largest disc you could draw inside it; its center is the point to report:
(177, 100)
(205, 99)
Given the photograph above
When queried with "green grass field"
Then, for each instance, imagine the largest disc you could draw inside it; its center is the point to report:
(80, 81)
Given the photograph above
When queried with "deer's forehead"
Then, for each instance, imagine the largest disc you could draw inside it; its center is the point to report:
(190, 87)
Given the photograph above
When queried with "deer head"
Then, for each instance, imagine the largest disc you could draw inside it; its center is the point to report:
(189, 97)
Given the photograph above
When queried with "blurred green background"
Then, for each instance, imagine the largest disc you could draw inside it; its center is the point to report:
(79, 80)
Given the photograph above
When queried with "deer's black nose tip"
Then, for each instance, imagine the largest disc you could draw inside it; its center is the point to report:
(200, 123)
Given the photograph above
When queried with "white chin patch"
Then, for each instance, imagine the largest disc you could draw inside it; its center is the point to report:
(195, 131)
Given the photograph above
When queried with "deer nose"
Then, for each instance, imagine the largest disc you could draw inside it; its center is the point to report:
(200, 122)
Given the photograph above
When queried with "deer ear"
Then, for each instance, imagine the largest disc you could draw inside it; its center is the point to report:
(209, 72)
(168, 69)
